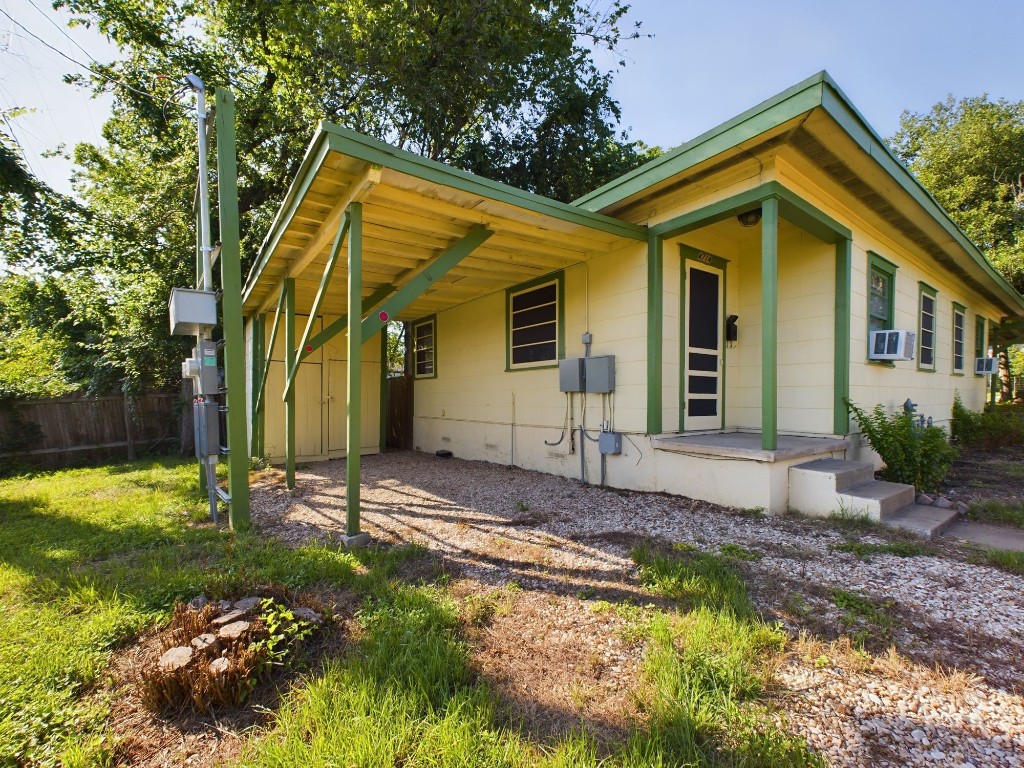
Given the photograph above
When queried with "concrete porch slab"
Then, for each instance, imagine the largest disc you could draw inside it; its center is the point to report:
(747, 445)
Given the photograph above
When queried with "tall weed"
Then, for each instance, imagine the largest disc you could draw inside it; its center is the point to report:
(918, 456)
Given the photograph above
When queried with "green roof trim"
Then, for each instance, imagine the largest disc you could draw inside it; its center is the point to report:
(373, 151)
(330, 137)
(792, 102)
(817, 91)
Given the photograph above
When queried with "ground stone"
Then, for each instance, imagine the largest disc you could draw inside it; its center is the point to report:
(198, 603)
(175, 659)
(942, 503)
(924, 498)
(224, 606)
(246, 604)
(234, 630)
(227, 618)
(204, 641)
(307, 614)
(220, 665)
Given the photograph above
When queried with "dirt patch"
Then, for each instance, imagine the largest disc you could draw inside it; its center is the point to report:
(542, 566)
(186, 737)
(978, 477)
(555, 661)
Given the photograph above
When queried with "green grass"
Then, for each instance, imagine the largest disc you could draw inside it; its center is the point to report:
(998, 513)
(1005, 559)
(88, 559)
(868, 621)
(866, 551)
(709, 665)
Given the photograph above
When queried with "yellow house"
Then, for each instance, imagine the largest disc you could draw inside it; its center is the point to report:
(723, 298)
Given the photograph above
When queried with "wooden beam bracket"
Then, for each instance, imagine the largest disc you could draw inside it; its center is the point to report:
(425, 277)
(325, 280)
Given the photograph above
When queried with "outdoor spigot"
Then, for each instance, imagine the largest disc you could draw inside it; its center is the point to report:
(909, 407)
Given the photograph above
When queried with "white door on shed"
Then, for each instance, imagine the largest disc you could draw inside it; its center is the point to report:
(337, 402)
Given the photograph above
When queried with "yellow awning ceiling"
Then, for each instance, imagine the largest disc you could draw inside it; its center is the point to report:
(413, 210)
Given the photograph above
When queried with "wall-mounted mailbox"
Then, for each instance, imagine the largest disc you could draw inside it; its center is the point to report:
(587, 374)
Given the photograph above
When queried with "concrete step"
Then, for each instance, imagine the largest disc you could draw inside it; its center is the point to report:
(814, 486)
(923, 520)
(877, 499)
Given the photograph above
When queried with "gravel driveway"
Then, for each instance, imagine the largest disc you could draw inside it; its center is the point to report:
(950, 696)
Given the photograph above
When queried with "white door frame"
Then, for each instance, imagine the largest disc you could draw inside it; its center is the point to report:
(702, 379)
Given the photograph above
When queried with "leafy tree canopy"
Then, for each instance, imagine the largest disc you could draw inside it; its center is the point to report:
(505, 88)
(970, 155)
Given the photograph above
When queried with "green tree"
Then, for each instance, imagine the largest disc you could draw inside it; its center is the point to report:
(970, 155)
(505, 88)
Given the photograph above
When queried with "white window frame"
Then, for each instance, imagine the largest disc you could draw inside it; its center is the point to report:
(513, 292)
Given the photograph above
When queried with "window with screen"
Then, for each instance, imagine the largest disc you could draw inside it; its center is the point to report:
(926, 328)
(959, 329)
(534, 323)
(979, 339)
(424, 349)
(881, 295)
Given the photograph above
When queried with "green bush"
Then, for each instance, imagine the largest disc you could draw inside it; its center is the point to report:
(988, 430)
(918, 456)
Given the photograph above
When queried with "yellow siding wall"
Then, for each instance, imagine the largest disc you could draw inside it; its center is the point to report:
(806, 301)
(478, 410)
(320, 397)
(872, 383)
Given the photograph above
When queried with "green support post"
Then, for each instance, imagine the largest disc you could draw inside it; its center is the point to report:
(769, 322)
(655, 329)
(841, 363)
(259, 329)
(289, 362)
(383, 410)
(354, 366)
(231, 308)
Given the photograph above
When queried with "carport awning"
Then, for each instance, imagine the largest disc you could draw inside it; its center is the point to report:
(413, 211)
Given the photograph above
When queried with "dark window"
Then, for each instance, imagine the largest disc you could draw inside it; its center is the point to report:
(700, 362)
(424, 348)
(703, 322)
(958, 339)
(926, 328)
(702, 407)
(880, 302)
(703, 385)
(979, 337)
(533, 325)
(881, 296)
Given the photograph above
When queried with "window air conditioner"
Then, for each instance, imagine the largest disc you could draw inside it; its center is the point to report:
(986, 365)
(892, 345)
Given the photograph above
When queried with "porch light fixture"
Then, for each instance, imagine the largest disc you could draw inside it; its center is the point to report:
(749, 218)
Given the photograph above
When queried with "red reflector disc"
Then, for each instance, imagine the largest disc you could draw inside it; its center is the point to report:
(383, 317)
(309, 347)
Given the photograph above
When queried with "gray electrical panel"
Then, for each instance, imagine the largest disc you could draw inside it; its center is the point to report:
(202, 368)
(587, 374)
(207, 428)
(570, 374)
(599, 374)
(610, 443)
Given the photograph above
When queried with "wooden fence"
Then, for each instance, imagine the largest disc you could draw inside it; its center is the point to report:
(63, 431)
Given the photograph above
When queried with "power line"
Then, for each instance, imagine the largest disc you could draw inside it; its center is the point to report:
(60, 29)
(26, 30)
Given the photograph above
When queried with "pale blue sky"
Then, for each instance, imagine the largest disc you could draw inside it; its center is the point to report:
(706, 63)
